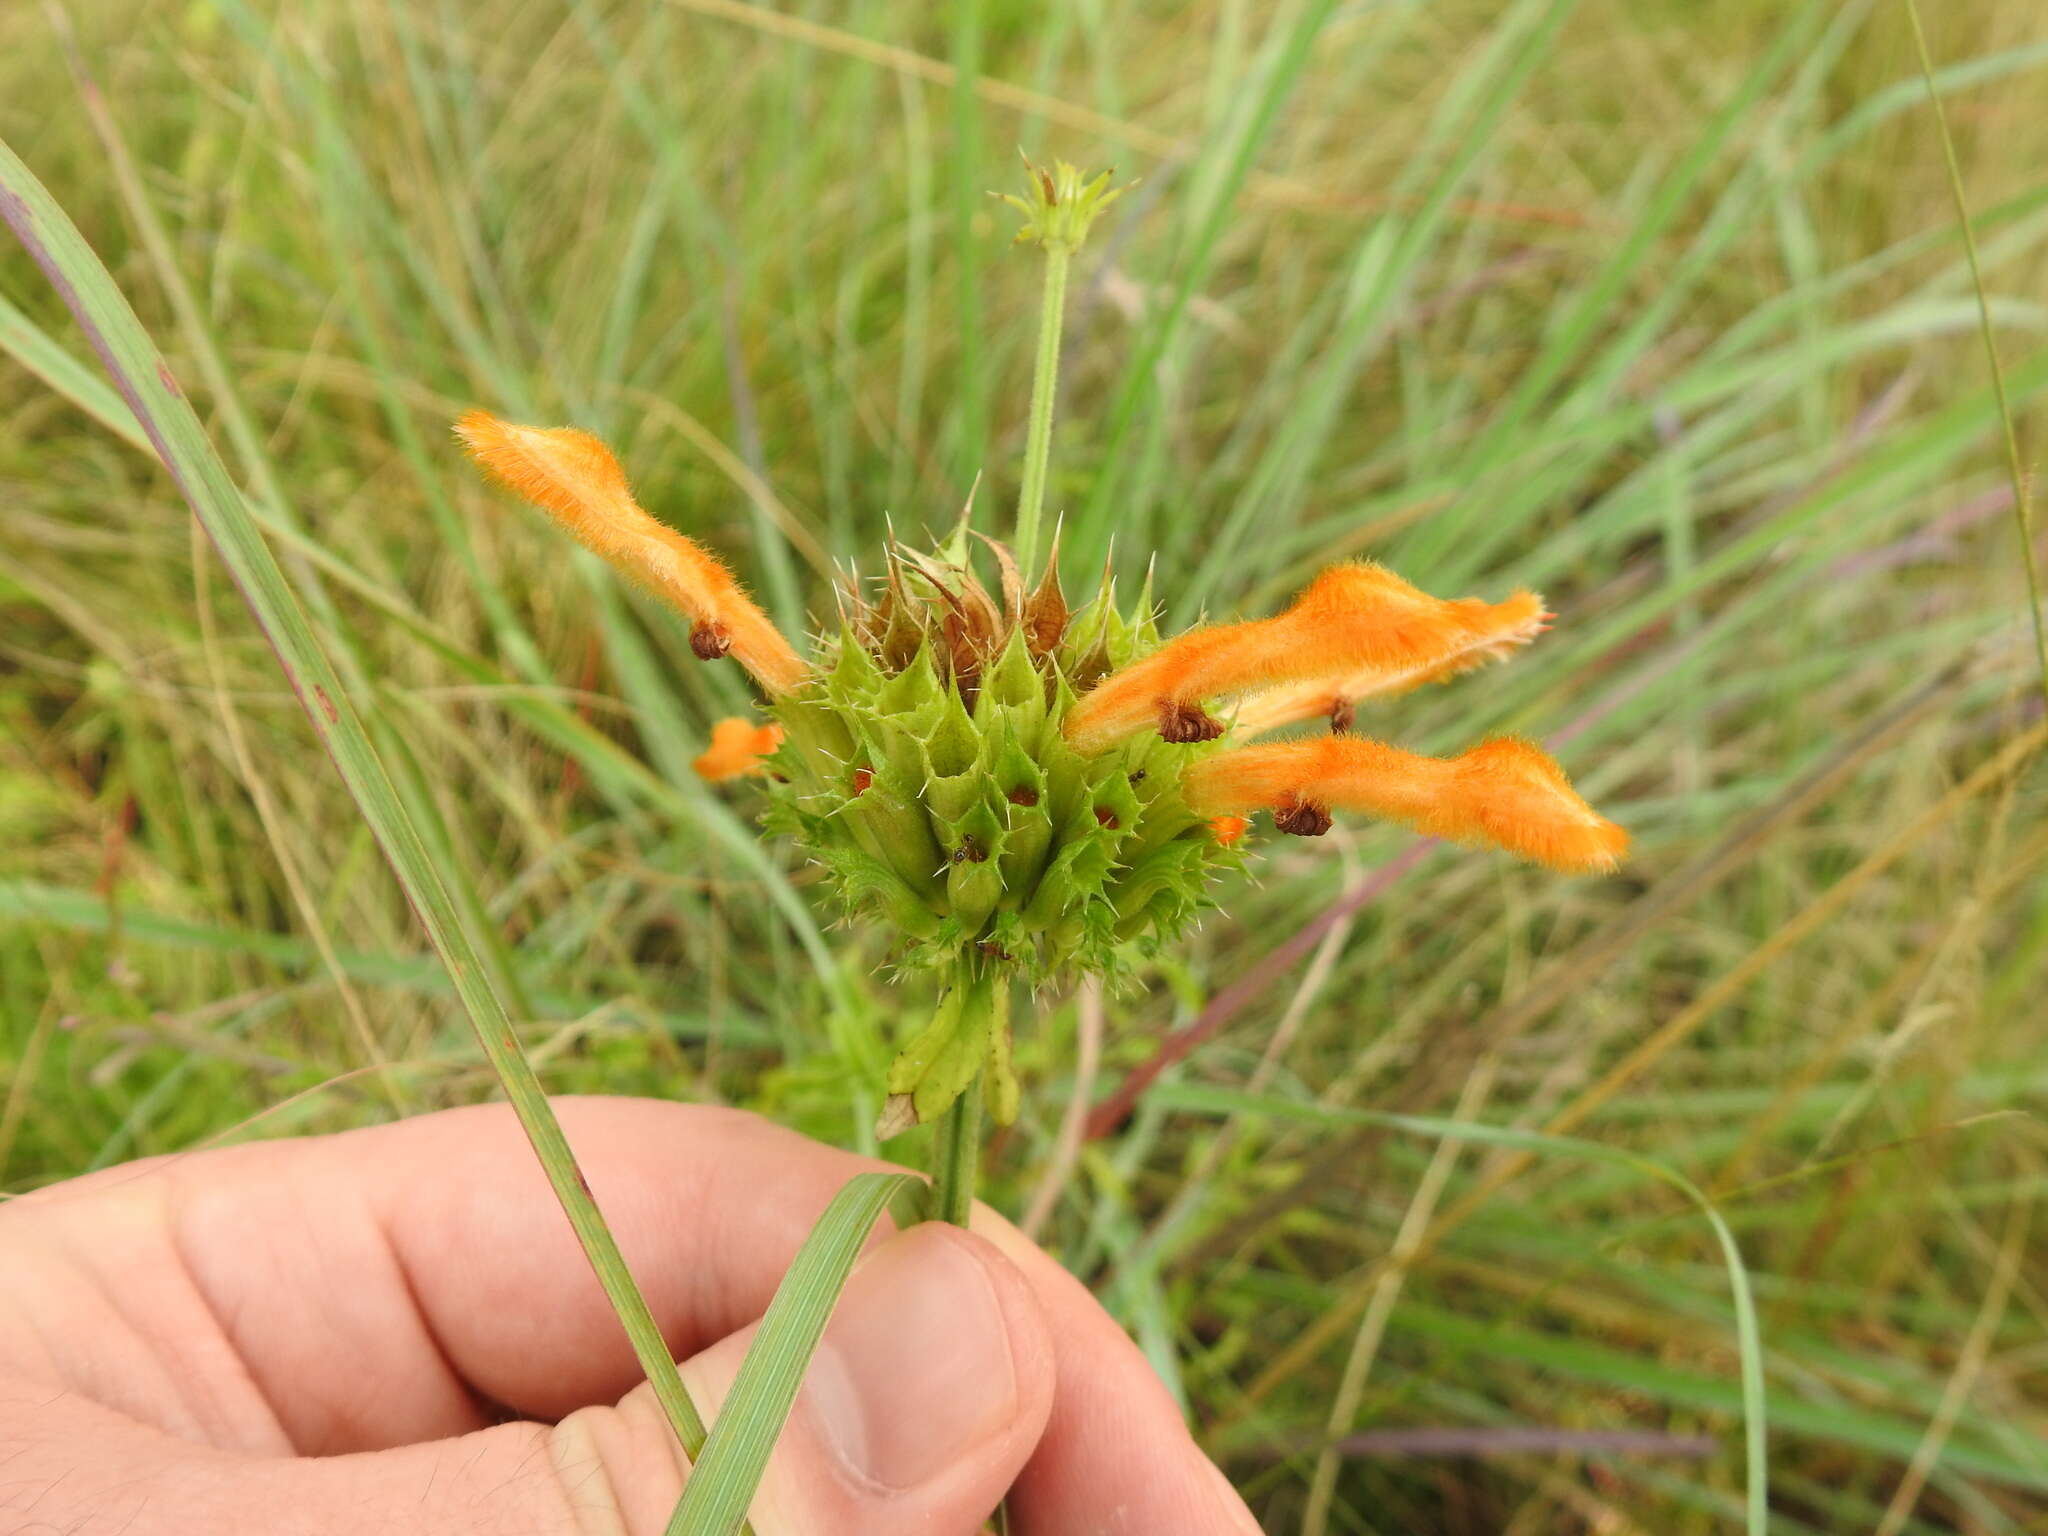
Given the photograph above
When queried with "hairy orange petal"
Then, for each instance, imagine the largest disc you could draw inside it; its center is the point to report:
(1506, 792)
(738, 747)
(1511, 624)
(574, 478)
(1353, 620)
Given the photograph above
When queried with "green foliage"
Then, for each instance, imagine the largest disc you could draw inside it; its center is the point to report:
(1628, 302)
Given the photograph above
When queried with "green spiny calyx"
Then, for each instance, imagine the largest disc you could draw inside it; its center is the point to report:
(926, 769)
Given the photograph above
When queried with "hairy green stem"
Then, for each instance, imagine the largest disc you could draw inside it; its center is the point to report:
(1045, 383)
(956, 1154)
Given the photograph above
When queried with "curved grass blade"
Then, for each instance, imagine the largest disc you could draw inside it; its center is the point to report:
(28, 344)
(1748, 1335)
(2022, 489)
(160, 407)
(722, 1484)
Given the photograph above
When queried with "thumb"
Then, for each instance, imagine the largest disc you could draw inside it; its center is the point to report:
(927, 1394)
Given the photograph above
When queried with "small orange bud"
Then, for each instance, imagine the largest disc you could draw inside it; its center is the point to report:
(1228, 829)
(1353, 621)
(1506, 792)
(738, 748)
(574, 478)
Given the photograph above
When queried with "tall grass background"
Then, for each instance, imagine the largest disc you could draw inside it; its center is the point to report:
(1661, 308)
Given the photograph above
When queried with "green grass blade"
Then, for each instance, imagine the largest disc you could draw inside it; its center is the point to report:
(34, 348)
(965, 170)
(1748, 1334)
(160, 406)
(1282, 65)
(75, 911)
(2022, 493)
(722, 1485)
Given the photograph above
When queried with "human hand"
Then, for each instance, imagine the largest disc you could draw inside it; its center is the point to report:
(394, 1330)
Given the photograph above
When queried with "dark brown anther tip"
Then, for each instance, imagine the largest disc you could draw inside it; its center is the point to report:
(708, 642)
(1183, 723)
(1343, 715)
(1298, 818)
(1023, 794)
(1139, 776)
(970, 851)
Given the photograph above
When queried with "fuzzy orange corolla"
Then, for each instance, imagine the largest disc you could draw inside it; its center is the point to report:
(1506, 792)
(574, 478)
(1352, 625)
(738, 747)
(1335, 702)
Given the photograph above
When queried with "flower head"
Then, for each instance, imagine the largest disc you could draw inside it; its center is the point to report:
(1060, 203)
(1019, 789)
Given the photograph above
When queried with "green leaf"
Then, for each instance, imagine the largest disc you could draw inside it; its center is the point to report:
(725, 1477)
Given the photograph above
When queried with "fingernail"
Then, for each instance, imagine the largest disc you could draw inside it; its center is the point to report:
(915, 1370)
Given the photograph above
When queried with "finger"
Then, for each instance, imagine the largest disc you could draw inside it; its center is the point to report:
(390, 1285)
(926, 1395)
(1116, 1458)
(405, 1282)
(930, 1390)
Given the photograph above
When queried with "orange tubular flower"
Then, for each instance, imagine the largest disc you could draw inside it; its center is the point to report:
(574, 478)
(1291, 705)
(1506, 792)
(1352, 625)
(738, 748)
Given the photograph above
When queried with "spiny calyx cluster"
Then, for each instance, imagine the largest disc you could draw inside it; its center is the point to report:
(1018, 791)
(928, 767)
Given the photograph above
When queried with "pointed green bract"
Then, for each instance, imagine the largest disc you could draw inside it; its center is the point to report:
(926, 771)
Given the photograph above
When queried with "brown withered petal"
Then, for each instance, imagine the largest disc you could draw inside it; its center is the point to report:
(1045, 611)
(1182, 723)
(1012, 579)
(1300, 818)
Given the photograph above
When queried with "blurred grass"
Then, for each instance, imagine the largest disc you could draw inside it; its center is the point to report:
(1668, 316)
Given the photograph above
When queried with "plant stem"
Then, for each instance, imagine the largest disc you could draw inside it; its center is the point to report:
(955, 1153)
(1045, 385)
